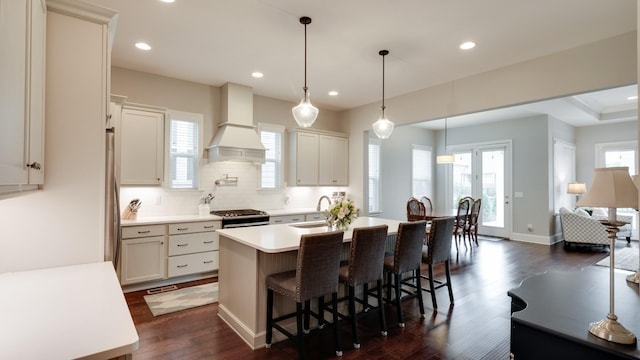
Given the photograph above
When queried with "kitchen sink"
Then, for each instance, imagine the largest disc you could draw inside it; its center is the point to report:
(308, 225)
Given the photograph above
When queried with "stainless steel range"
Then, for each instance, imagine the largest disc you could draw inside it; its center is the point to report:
(242, 218)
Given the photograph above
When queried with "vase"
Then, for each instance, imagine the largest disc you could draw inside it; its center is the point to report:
(340, 226)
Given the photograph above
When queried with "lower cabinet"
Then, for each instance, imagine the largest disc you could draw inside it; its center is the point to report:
(143, 254)
(163, 251)
(286, 219)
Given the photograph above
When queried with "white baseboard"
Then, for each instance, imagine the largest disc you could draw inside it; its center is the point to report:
(536, 239)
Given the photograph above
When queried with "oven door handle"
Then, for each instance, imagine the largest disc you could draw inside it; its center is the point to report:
(258, 223)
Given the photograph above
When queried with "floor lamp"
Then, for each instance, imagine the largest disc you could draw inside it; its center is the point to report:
(611, 188)
(635, 278)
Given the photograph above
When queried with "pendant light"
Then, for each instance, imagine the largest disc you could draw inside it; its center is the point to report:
(305, 113)
(383, 127)
(446, 158)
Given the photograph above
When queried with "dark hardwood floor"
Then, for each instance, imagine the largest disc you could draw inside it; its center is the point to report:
(476, 327)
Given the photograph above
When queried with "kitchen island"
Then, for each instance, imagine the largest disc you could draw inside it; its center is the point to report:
(248, 255)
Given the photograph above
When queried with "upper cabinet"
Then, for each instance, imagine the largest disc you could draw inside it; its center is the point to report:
(318, 158)
(22, 43)
(141, 145)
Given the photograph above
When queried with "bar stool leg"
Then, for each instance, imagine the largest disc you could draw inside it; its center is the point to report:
(447, 269)
(321, 307)
(307, 315)
(354, 321)
(269, 318)
(398, 299)
(365, 297)
(299, 311)
(419, 291)
(336, 326)
(432, 286)
(383, 321)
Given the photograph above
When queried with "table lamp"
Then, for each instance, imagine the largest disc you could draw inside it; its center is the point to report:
(576, 188)
(611, 188)
(635, 278)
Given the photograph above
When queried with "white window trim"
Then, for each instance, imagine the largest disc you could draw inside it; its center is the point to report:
(182, 115)
(601, 148)
(378, 142)
(279, 129)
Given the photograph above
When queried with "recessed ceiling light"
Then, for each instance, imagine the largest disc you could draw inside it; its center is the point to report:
(257, 74)
(632, 98)
(168, 1)
(143, 46)
(333, 93)
(467, 45)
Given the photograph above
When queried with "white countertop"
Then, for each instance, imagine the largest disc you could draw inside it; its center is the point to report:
(286, 237)
(152, 220)
(66, 312)
(292, 211)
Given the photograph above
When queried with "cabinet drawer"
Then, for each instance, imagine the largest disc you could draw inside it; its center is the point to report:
(193, 243)
(314, 217)
(193, 263)
(286, 219)
(129, 232)
(194, 227)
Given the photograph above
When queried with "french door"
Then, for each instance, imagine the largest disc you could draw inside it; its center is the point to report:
(484, 171)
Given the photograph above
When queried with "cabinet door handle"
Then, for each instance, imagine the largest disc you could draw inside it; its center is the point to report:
(207, 262)
(180, 245)
(295, 219)
(208, 242)
(183, 229)
(34, 165)
(277, 221)
(182, 266)
(209, 227)
(144, 232)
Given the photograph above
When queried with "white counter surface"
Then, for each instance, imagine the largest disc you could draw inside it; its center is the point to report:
(66, 312)
(292, 211)
(286, 237)
(152, 220)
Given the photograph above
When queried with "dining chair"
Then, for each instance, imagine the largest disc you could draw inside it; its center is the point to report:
(366, 263)
(428, 205)
(316, 274)
(438, 250)
(461, 220)
(472, 225)
(415, 210)
(407, 257)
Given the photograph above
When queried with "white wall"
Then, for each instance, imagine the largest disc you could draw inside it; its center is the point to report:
(64, 223)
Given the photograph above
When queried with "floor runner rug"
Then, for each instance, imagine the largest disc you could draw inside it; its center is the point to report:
(625, 259)
(185, 298)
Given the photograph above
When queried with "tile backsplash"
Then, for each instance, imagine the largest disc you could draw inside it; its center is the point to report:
(245, 193)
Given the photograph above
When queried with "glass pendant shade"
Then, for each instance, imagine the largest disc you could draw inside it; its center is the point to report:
(445, 159)
(383, 127)
(305, 113)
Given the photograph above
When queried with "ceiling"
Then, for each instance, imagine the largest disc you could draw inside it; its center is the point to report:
(215, 42)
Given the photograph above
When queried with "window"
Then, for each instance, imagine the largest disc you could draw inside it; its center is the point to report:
(374, 175)
(272, 137)
(564, 172)
(185, 144)
(420, 171)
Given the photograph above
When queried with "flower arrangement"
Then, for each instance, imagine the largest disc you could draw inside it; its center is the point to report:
(341, 214)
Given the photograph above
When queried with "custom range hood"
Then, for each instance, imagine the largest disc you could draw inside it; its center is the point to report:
(236, 139)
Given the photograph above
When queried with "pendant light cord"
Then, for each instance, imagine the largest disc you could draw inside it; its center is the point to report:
(383, 53)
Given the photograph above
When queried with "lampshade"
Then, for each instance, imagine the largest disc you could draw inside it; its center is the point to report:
(305, 113)
(383, 127)
(611, 188)
(445, 159)
(636, 180)
(576, 188)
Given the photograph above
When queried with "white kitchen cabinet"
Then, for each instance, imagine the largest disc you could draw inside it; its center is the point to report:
(193, 248)
(333, 161)
(286, 219)
(141, 145)
(318, 158)
(22, 43)
(314, 216)
(143, 254)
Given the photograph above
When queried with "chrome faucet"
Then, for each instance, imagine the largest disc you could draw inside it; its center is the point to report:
(320, 201)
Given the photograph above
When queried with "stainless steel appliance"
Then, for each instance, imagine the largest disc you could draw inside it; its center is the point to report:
(242, 218)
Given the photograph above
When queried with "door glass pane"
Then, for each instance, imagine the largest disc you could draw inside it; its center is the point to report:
(493, 197)
(462, 168)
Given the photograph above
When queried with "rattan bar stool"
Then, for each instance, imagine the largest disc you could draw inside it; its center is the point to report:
(316, 275)
(366, 263)
(438, 250)
(406, 258)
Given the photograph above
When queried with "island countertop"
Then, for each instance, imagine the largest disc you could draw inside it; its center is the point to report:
(286, 237)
